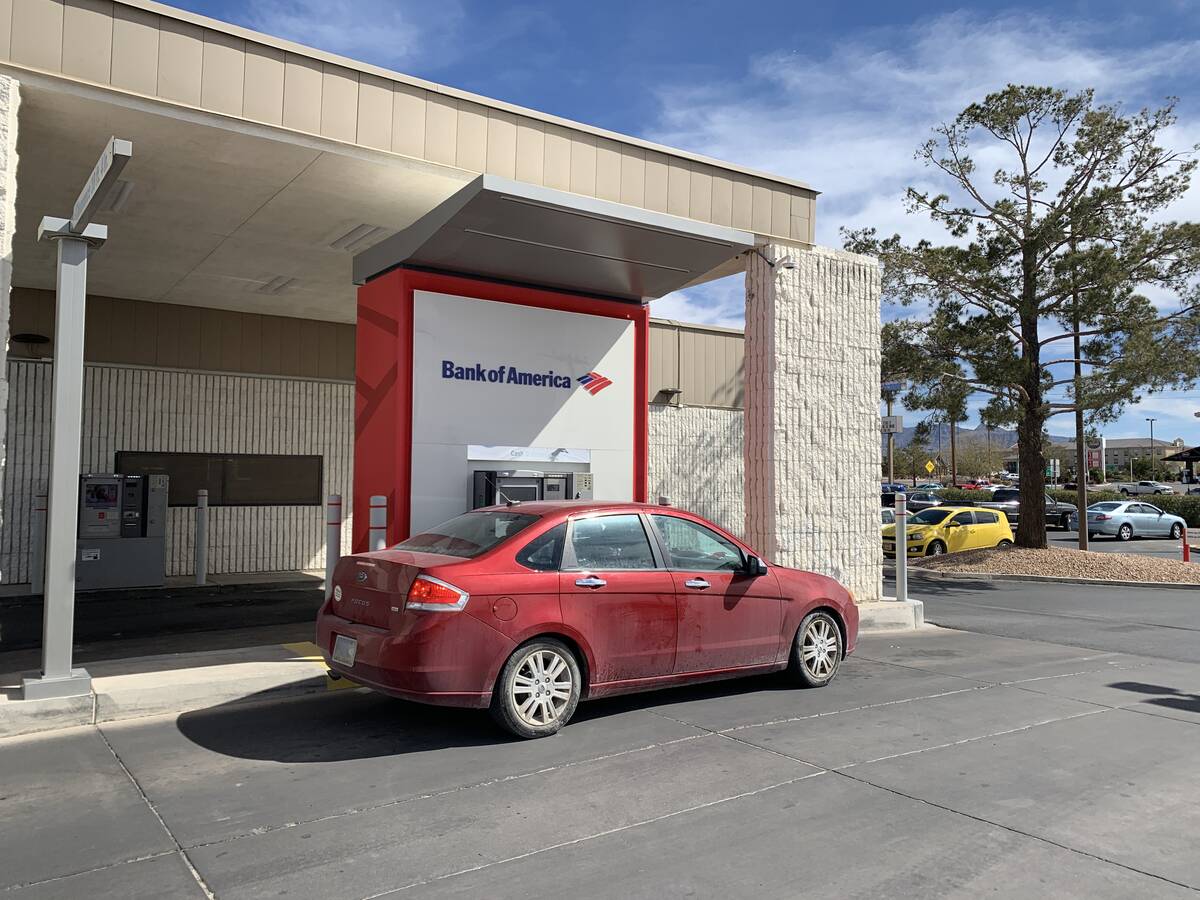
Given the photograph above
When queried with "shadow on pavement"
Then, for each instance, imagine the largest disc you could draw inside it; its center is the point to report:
(344, 725)
(1169, 697)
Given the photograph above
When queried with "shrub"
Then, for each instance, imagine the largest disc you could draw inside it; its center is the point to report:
(960, 497)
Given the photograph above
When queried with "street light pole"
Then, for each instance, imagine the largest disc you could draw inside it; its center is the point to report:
(1151, 421)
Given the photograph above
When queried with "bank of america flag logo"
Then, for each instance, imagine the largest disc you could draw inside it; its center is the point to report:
(594, 382)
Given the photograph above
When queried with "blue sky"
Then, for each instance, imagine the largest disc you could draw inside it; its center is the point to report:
(836, 94)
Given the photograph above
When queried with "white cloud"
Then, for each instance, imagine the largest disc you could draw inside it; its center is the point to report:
(384, 32)
(720, 302)
(848, 120)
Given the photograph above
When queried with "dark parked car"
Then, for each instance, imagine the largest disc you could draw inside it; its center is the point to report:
(531, 608)
(920, 500)
(1008, 500)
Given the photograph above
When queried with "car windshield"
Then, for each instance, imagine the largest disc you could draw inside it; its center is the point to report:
(1105, 507)
(929, 517)
(468, 535)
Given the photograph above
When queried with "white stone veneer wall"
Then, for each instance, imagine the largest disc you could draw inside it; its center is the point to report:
(9, 102)
(696, 462)
(812, 413)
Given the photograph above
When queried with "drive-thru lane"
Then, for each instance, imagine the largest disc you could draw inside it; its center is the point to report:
(1156, 621)
(908, 776)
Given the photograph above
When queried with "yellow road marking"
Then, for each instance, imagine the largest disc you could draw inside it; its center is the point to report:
(310, 652)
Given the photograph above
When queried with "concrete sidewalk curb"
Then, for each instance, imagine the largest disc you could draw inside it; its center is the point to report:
(175, 683)
(890, 615)
(1045, 579)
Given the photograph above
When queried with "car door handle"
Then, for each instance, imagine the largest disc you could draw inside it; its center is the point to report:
(591, 581)
(698, 584)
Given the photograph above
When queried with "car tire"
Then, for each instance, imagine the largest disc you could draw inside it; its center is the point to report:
(1176, 531)
(526, 699)
(1091, 535)
(1004, 544)
(1124, 493)
(936, 548)
(1125, 532)
(1065, 522)
(816, 650)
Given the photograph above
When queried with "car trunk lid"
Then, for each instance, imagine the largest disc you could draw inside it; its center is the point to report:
(374, 586)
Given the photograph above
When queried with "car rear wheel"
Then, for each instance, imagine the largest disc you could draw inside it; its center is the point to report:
(1125, 532)
(817, 650)
(1004, 543)
(1176, 531)
(937, 548)
(1065, 523)
(537, 690)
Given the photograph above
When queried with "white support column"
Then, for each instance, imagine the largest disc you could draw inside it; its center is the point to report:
(59, 678)
(333, 539)
(812, 413)
(9, 103)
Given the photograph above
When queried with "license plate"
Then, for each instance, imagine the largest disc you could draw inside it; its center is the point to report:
(344, 650)
(889, 546)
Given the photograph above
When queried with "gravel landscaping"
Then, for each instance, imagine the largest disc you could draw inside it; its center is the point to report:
(1061, 563)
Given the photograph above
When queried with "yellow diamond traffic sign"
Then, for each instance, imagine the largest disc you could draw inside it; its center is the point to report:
(929, 466)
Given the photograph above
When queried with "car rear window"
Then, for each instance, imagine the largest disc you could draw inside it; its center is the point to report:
(468, 535)
(1105, 507)
(1003, 496)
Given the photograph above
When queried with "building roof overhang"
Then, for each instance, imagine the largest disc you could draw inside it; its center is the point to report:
(507, 230)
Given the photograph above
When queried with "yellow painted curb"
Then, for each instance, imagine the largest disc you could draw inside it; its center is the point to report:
(310, 652)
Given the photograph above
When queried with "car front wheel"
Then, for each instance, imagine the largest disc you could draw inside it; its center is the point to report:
(1176, 531)
(937, 548)
(1004, 544)
(817, 650)
(1125, 532)
(537, 690)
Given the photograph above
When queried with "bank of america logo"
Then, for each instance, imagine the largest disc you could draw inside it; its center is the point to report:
(594, 382)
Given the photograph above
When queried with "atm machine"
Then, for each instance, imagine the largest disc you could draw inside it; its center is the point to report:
(121, 541)
(497, 486)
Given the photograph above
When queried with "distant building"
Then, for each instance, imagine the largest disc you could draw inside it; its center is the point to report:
(1119, 453)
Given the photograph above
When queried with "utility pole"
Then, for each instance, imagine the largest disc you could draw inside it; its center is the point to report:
(953, 454)
(1080, 474)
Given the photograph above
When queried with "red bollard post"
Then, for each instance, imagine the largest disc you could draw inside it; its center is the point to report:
(1187, 551)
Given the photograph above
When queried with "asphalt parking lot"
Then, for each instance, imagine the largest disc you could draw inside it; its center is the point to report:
(942, 763)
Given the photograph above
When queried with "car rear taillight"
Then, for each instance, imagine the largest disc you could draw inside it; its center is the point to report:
(1102, 517)
(434, 595)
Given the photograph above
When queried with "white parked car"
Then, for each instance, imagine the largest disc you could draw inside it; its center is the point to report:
(1132, 488)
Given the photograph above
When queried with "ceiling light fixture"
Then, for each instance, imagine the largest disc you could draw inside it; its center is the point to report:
(358, 236)
(276, 285)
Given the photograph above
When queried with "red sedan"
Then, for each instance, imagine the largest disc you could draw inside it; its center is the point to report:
(528, 609)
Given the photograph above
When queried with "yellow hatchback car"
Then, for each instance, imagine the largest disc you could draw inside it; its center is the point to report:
(948, 529)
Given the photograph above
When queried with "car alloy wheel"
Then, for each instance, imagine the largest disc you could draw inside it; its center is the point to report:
(1004, 544)
(817, 650)
(541, 688)
(1125, 532)
(937, 548)
(537, 690)
(1176, 531)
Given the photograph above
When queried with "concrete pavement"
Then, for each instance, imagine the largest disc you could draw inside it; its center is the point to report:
(938, 763)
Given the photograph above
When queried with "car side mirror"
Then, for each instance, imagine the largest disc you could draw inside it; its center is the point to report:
(755, 566)
(953, 524)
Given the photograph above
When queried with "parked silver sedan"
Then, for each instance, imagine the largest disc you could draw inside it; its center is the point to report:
(1127, 519)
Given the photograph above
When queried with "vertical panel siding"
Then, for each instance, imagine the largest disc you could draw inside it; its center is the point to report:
(129, 408)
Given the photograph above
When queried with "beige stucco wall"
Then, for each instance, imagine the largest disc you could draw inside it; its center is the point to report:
(696, 461)
(812, 413)
(9, 101)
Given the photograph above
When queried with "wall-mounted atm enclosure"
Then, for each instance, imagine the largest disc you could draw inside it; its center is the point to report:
(491, 487)
(122, 532)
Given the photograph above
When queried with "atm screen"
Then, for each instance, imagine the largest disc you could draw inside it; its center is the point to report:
(516, 492)
(100, 496)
